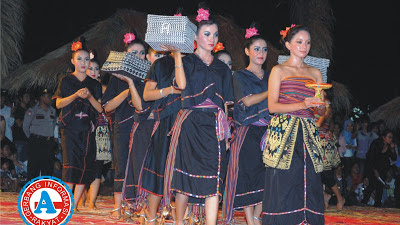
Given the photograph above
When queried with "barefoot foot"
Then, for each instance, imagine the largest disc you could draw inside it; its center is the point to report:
(340, 204)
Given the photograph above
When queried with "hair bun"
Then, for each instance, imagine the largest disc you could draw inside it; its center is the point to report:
(203, 5)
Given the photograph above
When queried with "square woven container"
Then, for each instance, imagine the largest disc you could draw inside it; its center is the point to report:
(319, 63)
(176, 31)
(126, 64)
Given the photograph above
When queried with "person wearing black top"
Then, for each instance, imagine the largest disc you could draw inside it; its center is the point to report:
(197, 159)
(380, 153)
(122, 98)
(78, 96)
(245, 179)
(20, 139)
(159, 88)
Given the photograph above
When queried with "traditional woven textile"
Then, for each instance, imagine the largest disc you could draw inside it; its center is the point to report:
(319, 63)
(176, 31)
(281, 138)
(127, 64)
(282, 130)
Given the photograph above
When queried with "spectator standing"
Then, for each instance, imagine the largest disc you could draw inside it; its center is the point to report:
(2, 127)
(6, 112)
(38, 126)
(347, 145)
(20, 139)
(364, 140)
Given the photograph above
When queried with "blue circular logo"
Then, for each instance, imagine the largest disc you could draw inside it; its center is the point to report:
(45, 200)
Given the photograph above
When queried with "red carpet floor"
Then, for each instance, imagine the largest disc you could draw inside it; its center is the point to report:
(350, 215)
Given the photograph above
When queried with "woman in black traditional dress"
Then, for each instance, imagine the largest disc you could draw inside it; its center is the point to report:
(293, 152)
(245, 178)
(90, 193)
(158, 89)
(141, 134)
(122, 97)
(197, 158)
(78, 97)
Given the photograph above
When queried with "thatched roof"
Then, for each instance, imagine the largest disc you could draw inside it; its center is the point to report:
(11, 35)
(389, 113)
(108, 35)
(341, 101)
(318, 16)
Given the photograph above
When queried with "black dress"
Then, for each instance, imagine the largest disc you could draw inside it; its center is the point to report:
(164, 111)
(245, 178)
(77, 121)
(139, 142)
(123, 118)
(198, 153)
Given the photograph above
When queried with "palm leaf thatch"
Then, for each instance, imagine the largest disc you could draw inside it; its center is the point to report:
(11, 35)
(108, 35)
(341, 101)
(318, 16)
(389, 113)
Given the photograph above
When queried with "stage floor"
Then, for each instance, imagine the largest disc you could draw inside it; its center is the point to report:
(350, 215)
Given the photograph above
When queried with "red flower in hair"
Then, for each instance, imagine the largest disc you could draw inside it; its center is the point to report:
(250, 32)
(202, 14)
(284, 32)
(195, 45)
(76, 46)
(218, 47)
(128, 38)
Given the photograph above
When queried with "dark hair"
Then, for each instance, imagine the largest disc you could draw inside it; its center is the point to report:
(386, 132)
(83, 41)
(137, 41)
(372, 125)
(4, 161)
(211, 20)
(221, 52)
(23, 92)
(105, 78)
(94, 52)
(355, 163)
(180, 10)
(5, 142)
(291, 33)
(254, 38)
(364, 119)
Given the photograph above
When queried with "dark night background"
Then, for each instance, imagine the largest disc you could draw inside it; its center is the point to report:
(365, 55)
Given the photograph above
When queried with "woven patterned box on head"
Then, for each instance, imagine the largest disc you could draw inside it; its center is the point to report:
(176, 31)
(127, 64)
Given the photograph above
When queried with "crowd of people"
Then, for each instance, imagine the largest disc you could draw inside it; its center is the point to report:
(367, 171)
(195, 135)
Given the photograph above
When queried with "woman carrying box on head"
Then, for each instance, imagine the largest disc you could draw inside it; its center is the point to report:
(122, 98)
(197, 159)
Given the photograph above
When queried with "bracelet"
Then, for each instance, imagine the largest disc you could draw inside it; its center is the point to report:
(161, 90)
(178, 66)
